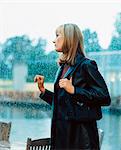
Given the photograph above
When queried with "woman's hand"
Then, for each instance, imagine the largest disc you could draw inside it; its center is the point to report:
(40, 81)
(67, 85)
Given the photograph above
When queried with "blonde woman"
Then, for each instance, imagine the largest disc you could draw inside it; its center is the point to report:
(79, 93)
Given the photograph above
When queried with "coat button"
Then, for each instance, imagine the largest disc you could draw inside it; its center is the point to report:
(80, 104)
(66, 117)
(66, 100)
(70, 113)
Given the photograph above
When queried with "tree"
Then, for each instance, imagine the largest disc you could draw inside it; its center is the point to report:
(91, 41)
(115, 43)
(39, 49)
(21, 49)
(118, 24)
(18, 48)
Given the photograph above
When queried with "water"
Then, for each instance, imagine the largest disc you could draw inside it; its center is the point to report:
(111, 124)
(34, 127)
(23, 128)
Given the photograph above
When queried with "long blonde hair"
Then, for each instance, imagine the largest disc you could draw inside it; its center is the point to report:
(73, 42)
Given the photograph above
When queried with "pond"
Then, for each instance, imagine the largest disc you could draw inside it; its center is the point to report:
(37, 123)
(111, 124)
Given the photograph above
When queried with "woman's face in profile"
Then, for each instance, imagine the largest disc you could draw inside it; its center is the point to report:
(58, 41)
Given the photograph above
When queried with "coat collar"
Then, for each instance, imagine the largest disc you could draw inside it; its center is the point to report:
(78, 59)
(58, 73)
(71, 69)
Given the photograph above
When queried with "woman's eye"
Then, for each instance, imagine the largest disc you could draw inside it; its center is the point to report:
(56, 35)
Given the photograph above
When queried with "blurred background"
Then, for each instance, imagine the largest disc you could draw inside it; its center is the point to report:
(27, 29)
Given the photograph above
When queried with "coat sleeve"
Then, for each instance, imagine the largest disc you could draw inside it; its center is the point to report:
(96, 92)
(47, 96)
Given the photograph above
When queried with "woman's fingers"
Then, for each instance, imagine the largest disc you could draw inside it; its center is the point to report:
(35, 79)
(39, 78)
(63, 82)
(70, 80)
(67, 85)
(40, 81)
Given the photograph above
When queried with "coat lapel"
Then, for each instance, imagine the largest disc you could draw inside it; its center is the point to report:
(58, 73)
(71, 69)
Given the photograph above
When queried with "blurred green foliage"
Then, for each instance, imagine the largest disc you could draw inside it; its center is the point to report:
(91, 41)
(115, 43)
(21, 49)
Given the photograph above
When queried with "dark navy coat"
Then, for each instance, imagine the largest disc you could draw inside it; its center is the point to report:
(90, 93)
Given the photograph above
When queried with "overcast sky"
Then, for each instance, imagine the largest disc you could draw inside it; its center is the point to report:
(40, 18)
